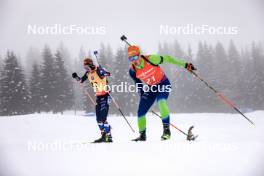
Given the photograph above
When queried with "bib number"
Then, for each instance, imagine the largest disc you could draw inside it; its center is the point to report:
(151, 80)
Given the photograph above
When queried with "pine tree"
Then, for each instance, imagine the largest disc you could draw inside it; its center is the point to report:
(33, 56)
(65, 54)
(35, 89)
(204, 98)
(244, 80)
(63, 85)
(48, 82)
(256, 79)
(14, 90)
(1, 64)
(1, 73)
(235, 69)
(222, 79)
(106, 56)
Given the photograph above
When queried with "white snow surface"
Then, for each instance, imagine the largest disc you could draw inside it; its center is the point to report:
(52, 145)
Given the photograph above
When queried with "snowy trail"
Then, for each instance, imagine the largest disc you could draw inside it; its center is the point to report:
(227, 145)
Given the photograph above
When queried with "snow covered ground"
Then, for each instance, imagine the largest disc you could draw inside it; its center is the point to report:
(51, 145)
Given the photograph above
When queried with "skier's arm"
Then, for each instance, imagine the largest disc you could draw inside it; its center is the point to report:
(137, 81)
(84, 77)
(156, 59)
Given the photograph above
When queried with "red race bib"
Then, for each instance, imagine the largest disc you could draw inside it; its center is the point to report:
(150, 74)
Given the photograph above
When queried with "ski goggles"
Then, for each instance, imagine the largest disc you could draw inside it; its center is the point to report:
(133, 58)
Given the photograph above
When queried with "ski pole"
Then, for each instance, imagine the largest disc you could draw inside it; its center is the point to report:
(171, 124)
(124, 39)
(190, 136)
(85, 91)
(119, 109)
(222, 97)
(117, 106)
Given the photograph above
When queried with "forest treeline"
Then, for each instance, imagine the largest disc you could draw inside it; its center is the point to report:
(42, 82)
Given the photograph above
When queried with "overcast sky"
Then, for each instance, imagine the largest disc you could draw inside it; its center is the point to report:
(139, 20)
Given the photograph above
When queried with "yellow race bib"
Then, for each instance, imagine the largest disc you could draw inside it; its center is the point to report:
(99, 85)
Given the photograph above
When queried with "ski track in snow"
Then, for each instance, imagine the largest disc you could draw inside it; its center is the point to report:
(227, 145)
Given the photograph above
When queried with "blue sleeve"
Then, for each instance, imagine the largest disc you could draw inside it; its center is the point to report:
(137, 81)
(102, 72)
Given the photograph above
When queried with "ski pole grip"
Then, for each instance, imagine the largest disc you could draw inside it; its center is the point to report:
(123, 38)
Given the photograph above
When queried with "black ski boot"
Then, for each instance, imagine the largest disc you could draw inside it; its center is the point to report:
(166, 132)
(107, 138)
(142, 136)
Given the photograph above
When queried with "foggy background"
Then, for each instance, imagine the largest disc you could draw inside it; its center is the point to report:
(139, 20)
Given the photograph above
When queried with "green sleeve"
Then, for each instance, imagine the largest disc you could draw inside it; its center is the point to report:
(156, 59)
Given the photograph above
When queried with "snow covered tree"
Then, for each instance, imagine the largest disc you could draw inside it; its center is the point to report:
(244, 80)
(1, 64)
(106, 57)
(201, 95)
(33, 56)
(35, 89)
(65, 54)
(256, 82)
(63, 85)
(14, 90)
(48, 82)
(221, 79)
(1, 73)
(235, 69)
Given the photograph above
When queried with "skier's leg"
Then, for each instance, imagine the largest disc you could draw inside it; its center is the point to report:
(164, 113)
(99, 117)
(162, 97)
(146, 101)
(104, 112)
(163, 107)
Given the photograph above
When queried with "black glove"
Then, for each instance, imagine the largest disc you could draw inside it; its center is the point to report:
(190, 67)
(75, 76)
